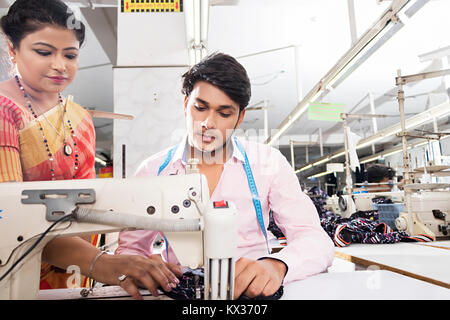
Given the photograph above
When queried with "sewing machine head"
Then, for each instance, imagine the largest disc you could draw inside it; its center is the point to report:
(342, 205)
(427, 210)
(363, 201)
(430, 210)
(28, 209)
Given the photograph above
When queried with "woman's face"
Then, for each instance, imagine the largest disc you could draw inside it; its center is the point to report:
(47, 59)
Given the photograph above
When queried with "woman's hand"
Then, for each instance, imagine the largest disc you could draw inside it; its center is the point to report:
(149, 273)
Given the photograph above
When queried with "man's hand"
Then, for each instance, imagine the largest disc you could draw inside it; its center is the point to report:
(255, 278)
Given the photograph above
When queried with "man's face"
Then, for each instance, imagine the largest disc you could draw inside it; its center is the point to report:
(211, 117)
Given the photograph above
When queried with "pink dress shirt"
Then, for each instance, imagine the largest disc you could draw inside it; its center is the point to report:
(309, 249)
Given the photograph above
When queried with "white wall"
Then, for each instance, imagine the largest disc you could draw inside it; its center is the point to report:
(151, 39)
(5, 62)
(153, 96)
(151, 57)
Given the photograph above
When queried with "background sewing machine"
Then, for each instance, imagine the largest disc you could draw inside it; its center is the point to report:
(427, 211)
(345, 205)
(363, 201)
(430, 209)
(201, 233)
(342, 205)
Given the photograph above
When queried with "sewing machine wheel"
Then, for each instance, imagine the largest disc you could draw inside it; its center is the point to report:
(342, 203)
(401, 224)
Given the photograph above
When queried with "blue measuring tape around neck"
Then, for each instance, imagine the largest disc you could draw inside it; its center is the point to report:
(254, 191)
(251, 184)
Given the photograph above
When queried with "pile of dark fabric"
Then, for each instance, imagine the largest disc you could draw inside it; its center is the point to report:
(381, 200)
(319, 199)
(272, 227)
(360, 227)
(192, 287)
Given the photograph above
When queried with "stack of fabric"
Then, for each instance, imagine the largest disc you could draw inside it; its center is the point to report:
(360, 227)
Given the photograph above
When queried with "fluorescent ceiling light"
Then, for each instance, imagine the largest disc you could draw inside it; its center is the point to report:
(320, 174)
(380, 39)
(196, 14)
(370, 159)
(321, 161)
(302, 106)
(367, 44)
(337, 155)
(204, 21)
(392, 152)
(436, 112)
(197, 23)
(395, 150)
(414, 121)
(304, 168)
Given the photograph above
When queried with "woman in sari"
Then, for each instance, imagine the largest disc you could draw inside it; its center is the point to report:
(45, 148)
(44, 136)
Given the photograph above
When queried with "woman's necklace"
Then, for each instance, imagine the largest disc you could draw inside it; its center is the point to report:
(67, 149)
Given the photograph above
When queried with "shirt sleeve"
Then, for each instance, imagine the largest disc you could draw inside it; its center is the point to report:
(309, 249)
(136, 242)
(10, 166)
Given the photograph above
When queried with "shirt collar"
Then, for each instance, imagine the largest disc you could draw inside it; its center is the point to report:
(180, 152)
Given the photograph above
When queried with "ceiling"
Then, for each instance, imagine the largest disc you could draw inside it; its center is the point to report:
(287, 46)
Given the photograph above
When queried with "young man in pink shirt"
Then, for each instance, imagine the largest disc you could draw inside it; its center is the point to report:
(217, 90)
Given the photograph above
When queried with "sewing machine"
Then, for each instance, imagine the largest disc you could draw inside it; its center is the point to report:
(345, 205)
(201, 232)
(363, 201)
(427, 210)
(342, 205)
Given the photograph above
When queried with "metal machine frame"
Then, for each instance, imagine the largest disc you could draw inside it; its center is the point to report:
(201, 232)
(409, 220)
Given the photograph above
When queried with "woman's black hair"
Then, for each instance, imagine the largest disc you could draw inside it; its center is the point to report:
(223, 72)
(28, 16)
(378, 172)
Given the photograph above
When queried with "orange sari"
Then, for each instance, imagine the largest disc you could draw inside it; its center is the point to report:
(23, 155)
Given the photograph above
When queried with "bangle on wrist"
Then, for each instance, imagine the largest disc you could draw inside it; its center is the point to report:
(85, 292)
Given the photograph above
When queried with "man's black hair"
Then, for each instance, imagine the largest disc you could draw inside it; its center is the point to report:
(223, 72)
(28, 16)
